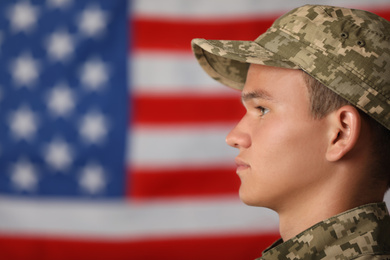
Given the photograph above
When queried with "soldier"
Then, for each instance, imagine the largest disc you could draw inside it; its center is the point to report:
(314, 144)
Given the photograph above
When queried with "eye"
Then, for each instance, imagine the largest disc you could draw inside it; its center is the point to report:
(262, 110)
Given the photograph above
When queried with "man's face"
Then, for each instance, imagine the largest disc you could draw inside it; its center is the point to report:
(282, 148)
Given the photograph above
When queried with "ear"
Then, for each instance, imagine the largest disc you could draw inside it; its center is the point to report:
(344, 132)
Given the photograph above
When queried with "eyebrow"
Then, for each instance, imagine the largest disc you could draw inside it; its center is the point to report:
(258, 94)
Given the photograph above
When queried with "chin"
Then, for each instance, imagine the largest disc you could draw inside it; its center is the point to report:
(255, 200)
(249, 200)
(253, 203)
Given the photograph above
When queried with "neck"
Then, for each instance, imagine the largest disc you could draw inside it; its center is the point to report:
(291, 223)
(328, 200)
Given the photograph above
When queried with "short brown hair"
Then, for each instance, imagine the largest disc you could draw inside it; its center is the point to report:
(323, 101)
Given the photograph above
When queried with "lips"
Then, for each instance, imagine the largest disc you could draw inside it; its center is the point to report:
(241, 165)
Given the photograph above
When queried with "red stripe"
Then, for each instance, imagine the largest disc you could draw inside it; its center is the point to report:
(205, 248)
(185, 109)
(149, 33)
(177, 34)
(182, 183)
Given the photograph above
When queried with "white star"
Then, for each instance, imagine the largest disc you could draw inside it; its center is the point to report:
(24, 176)
(58, 155)
(92, 21)
(93, 127)
(61, 100)
(94, 74)
(24, 70)
(60, 45)
(23, 123)
(23, 16)
(59, 3)
(92, 178)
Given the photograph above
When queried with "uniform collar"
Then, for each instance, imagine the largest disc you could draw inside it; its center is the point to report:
(369, 223)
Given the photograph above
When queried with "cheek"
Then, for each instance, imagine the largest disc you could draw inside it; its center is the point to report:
(282, 162)
(273, 136)
(288, 145)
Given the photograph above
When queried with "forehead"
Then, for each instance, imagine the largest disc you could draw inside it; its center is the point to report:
(274, 84)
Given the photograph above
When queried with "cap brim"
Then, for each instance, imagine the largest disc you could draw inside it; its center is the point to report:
(228, 61)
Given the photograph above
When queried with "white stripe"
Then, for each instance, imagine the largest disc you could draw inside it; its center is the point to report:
(169, 72)
(125, 220)
(201, 9)
(180, 145)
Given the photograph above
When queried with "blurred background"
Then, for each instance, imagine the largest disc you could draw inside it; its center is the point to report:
(112, 137)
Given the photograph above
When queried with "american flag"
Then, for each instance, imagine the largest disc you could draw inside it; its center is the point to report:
(112, 136)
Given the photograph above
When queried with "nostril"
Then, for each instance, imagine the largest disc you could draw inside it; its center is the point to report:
(232, 140)
(238, 137)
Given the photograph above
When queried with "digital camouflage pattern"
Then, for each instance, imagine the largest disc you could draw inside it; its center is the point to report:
(360, 233)
(347, 50)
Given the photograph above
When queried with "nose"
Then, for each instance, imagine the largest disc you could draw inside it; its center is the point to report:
(238, 137)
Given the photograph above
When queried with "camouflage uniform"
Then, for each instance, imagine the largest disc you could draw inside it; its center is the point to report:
(360, 233)
(348, 51)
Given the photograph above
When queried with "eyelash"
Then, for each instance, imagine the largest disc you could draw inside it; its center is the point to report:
(263, 110)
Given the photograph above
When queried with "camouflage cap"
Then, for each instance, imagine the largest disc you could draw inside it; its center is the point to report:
(347, 50)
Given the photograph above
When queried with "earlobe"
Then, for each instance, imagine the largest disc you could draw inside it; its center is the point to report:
(344, 132)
